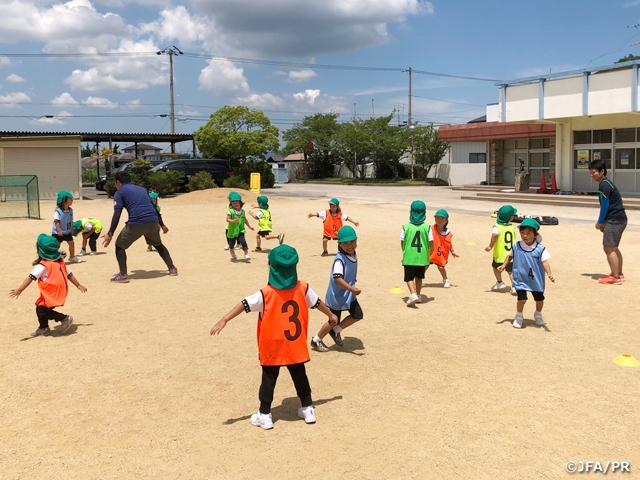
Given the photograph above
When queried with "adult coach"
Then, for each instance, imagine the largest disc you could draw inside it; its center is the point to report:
(143, 221)
(611, 222)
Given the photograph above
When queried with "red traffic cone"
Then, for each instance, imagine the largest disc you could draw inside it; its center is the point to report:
(554, 185)
(543, 184)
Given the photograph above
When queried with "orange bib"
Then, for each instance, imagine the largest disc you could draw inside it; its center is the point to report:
(53, 291)
(332, 225)
(441, 247)
(283, 326)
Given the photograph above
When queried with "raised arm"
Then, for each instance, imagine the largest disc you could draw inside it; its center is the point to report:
(15, 293)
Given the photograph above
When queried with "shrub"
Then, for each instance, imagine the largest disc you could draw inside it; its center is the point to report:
(164, 183)
(267, 178)
(89, 176)
(201, 181)
(236, 182)
(383, 170)
(110, 186)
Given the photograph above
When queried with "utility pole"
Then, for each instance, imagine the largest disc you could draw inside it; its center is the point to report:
(373, 111)
(171, 51)
(409, 122)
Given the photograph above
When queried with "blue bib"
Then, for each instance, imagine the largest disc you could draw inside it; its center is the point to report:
(528, 272)
(337, 297)
(66, 222)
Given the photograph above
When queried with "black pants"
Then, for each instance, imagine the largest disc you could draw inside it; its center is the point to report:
(121, 256)
(241, 241)
(45, 314)
(270, 377)
(92, 241)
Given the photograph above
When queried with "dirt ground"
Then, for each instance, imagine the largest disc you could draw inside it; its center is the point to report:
(138, 389)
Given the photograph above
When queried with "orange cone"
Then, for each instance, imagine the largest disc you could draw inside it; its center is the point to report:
(554, 185)
(543, 184)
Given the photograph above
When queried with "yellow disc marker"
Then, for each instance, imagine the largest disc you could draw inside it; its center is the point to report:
(470, 243)
(396, 290)
(626, 360)
(494, 215)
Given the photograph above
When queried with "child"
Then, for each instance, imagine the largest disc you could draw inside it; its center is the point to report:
(282, 331)
(154, 199)
(62, 229)
(416, 250)
(90, 228)
(332, 220)
(341, 292)
(503, 235)
(51, 274)
(263, 216)
(226, 241)
(442, 245)
(530, 263)
(236, 220)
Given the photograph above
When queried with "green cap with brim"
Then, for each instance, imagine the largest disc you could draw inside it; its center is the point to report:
(505, 213)
(442, 213)
(418, 212)
(334, 201)
(346, 234)
(62, 194)
(153, 195)
(48, 247)
(263, 202)
(531, 223)
(283, 274)
(77, 226)
(235, 197)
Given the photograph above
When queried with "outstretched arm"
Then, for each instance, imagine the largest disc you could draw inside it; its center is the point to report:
(233, 313)
(353, 220)
(311, 215)
(15, 293)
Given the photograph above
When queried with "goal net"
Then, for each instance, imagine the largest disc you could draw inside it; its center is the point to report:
(19, 196)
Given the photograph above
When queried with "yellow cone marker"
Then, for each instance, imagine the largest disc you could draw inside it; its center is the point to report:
(470, 243)
(396, 290)
(626, 360)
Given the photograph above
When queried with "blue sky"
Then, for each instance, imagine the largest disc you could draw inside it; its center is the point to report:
(490, 39)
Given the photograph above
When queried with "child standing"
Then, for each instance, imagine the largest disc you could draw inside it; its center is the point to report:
(341, 292)
(415, 250)
(503, 235)
(332, 221)
(90, 228)
(283, 321)
(62, 229)
(265, 225)
(530, 263)
(154, 199)
(236, 220)
(52, 275)
(442, 245)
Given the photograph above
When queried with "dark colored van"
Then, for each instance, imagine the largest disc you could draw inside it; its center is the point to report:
(220, 170)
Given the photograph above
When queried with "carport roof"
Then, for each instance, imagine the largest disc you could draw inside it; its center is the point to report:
(101, 137)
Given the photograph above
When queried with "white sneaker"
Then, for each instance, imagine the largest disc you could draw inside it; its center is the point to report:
(226, 247)
(75, 260)
(446, 283)
(498, 286)
(307, 413)
(82, 252)
(262, 420)
(413, 299)
(537, 316)
(419, 298)
(247, 257)
(65, 324)
(233, 255)
(93, 253)
(513, 291)
(517, 322)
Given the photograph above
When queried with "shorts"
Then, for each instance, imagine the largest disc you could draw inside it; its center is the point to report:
(509, 267)
(264, 233)
(613, 232)
(130, 233)
(537, 296)
(413, 271)
(354, 310)
(324, 237)
(66, 237)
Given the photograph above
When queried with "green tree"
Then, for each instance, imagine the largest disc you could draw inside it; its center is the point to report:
(428, 149)
(236, 133)
(628, 58)
(354, 146)
(386, 145)
(86, 151)
(316, 138)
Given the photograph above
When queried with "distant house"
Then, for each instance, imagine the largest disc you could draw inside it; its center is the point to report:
(143, 149)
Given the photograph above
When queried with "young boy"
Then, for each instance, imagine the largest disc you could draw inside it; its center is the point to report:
(91, 229)
(282, 331)
(332, 222)
(530, 263)
(236, 221)
(415, 250)
(263, 216)
(442, 245)
(503, 235)
(341, 292)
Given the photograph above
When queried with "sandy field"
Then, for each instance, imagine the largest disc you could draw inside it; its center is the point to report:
(137, 388)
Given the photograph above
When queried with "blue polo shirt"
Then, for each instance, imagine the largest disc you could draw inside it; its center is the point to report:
(611, 207)
(135, 200)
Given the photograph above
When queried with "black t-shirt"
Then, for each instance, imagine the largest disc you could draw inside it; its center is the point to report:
(616, 209)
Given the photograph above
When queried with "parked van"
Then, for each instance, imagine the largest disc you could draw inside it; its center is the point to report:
(220, 170)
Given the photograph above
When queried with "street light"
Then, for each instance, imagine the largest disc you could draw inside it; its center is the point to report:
(412, 128)
(171, 51)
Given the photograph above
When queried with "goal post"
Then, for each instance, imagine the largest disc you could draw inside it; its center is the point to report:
(19, 196)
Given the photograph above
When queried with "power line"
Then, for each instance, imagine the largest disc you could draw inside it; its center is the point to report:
(449, 101)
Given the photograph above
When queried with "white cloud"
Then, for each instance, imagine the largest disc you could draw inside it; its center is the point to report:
(308, 96)
(631, 4)
(52, 119)
(15, 78)
(301, 75)
(99, 102)
(222, 77)
(4, 61)
(188, 113)
(13, 99)
(133, 104)
(261, 100)
(177, 24)
(322, 102)
(65, 99)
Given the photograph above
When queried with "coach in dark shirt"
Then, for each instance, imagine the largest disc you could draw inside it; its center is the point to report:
(143, 221)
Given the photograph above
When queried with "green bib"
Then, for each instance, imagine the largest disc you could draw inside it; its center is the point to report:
(416, 245)
(504, 242)
(264, 223)
(235, 229)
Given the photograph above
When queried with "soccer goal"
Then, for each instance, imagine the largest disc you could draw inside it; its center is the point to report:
(19, 196)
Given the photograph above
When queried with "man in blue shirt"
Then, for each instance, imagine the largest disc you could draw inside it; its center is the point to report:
(611, 222)
(143, 221)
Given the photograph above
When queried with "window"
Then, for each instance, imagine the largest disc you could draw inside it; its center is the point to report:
(625, 158)
(582, 137)
(625, 135)
(477, 158)
(536, 143)
(602, 136)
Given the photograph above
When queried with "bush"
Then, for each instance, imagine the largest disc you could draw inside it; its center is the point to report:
(164, 183)
(110, 186)
(236, 182)
(267, 178)
(383, 170)
(89, 176)
(201, 181)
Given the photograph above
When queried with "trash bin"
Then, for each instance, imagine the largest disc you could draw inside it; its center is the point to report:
(522, 182)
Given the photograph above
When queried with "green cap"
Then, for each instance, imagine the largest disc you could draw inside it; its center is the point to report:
(335, 201)
(62, 194)
(153, 195)
(282, 267)
(530, 222)
(263, 202)
(418, 212)
(346, 234)
(48, 247)
(235, 197)
(77, 226)
(505, 213)
(442, 213)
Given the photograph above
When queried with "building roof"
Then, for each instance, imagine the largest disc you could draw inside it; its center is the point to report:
(142, 146)
(481, 119)
(474, 132)
(294, 157)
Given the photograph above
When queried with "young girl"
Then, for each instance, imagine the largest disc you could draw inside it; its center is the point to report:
(332, 220)
(52, 275)
(154, 199)
(442, 245)
(90, 228)
(62, 229)
(282, 331)
(263, 216)
(226, 243)
(236, 220)
(416, 242)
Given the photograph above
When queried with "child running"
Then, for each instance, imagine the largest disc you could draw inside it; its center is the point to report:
(62, 229)
(283, 322)
(341, 292)
(265, 225)
(415, 250)
(442, 245)
(503, 235)
(154, 199)
(530, 263)
(90, 228)
(332, 220)
(236, 220)
(52, 276)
